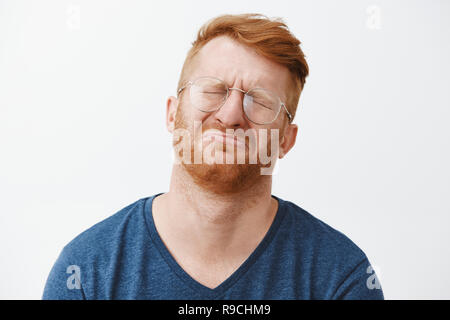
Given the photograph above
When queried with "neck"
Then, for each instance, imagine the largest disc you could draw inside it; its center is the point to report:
(213, 226)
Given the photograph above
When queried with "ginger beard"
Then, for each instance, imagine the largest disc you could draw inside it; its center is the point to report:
(220, 178)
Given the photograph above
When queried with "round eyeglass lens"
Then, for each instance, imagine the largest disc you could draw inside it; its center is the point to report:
(261, 106)
(208, 94)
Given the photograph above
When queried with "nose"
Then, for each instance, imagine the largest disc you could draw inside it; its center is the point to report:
(231, 114)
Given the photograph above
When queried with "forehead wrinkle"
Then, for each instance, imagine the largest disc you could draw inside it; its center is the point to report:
(236, 78)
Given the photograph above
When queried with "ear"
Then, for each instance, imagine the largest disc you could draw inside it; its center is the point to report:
(288, 140)
(171, 111)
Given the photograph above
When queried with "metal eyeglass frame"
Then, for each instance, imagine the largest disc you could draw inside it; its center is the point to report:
(244, 92)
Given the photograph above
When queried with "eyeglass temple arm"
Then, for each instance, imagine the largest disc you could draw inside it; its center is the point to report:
(183, 87)
(287, 112)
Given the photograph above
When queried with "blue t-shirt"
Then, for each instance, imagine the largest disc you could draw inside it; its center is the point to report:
(300, 257)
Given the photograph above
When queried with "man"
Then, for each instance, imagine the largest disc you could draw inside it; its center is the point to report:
(219, 233)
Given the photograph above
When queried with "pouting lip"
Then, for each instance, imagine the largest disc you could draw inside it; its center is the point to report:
(224, 137)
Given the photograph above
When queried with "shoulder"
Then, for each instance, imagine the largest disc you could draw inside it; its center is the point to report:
(92, 256)
(309, 228)
(338, 268)
(99, 248)
(101, 236)
(318, 242)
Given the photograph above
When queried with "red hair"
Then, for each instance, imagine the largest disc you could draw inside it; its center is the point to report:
(270, 38)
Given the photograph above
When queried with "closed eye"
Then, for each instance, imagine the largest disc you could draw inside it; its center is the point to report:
(262, 105)
(210, 92)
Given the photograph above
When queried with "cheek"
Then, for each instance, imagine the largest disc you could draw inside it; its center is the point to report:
(200, 116)
(190, 114)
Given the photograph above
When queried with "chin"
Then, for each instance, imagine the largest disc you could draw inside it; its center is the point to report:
(224, 178)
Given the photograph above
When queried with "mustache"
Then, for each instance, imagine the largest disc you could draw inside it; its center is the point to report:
(216, 127)
(249, 136)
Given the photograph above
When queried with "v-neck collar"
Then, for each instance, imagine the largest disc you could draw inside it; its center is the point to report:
(235, 276)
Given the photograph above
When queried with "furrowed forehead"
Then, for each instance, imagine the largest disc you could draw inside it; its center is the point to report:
(238, 65)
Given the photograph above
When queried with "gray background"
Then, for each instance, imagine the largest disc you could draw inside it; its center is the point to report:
(83, 87)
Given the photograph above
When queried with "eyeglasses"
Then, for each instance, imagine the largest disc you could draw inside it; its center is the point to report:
(260, 106)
